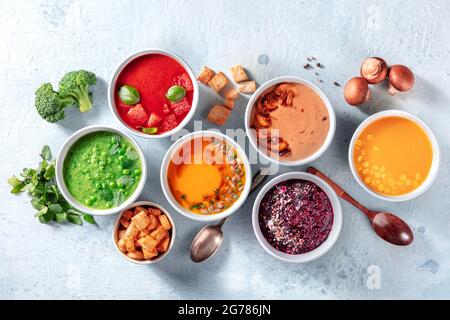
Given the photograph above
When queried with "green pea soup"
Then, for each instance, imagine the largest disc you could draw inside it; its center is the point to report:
(102, 170)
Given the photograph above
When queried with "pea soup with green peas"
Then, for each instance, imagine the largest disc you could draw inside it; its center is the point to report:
(102, 169)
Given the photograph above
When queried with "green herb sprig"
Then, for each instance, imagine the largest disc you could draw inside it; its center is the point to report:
(45, 195)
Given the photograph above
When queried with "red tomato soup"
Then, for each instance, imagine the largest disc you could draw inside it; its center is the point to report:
(152, 75)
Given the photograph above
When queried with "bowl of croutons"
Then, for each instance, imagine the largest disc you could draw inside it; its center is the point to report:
(144, 233)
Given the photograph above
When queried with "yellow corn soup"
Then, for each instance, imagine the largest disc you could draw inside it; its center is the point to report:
(393, 155)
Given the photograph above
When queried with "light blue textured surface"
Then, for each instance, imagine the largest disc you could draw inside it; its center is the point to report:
(41, 40)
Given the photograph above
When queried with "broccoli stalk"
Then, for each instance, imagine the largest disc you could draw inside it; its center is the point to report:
(49, 104)
(76, 84)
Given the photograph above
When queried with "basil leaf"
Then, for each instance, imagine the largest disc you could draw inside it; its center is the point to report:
(88, 218)
(49, 216)
(131, 154)
(106, 195)
(119, 198)
(75, 219)
(175, 93)
(46, 154)
(60, 217)
(152, 130)
(36, 203)
(114, 149)
(16, 184)
(125, 180)
(129, 95)
(55, 207)
(50, 172)
(118, 139)
(127, 163)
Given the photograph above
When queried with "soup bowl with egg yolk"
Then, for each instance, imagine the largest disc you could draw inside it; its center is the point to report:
(206, 176)
(394, 155)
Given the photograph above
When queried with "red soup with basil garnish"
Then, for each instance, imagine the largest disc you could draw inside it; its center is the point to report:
(153, 94)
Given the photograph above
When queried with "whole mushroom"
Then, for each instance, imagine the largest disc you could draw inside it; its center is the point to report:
(356, 91)
(401, 79)
(374, 70)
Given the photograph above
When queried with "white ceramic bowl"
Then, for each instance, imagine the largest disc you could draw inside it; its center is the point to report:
(144, 204)
(335, 229)
(269, 85)
(60, 177)
(434, 165)
(123, 64)
(168, 193)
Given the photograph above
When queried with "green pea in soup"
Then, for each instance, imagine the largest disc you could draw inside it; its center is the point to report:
(102, 169)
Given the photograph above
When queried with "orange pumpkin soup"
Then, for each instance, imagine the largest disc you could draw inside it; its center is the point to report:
(393, 155)
(206, 175)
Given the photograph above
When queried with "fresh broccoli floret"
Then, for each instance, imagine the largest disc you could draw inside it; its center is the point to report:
(76, 84)
(49, 104)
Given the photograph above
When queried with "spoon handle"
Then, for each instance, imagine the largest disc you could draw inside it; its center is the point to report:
(340, 192)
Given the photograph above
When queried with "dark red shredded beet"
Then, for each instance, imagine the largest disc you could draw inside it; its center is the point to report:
(295, 216)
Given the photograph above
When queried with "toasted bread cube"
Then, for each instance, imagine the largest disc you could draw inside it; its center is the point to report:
(137, 244)
(154, 211)
(127, 215)
(159, 234)
(165, 223)
(232, 94)
(154, 222)
(238, 73)
(163, 245)
(137, 255)
(149, 252)
(121, 245)
(247, 86)
(138, 209)
(218, 114)
(129, 244)
(218, 82)
(144, 233)
(142, 220)
(148, 241)
(125, 223)
(205, 75)
(132, 230)
(229, 103)
(121, 234)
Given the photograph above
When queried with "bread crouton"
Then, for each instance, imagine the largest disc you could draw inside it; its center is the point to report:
(142, 220)
(121, 245)
(218, 82)
(154, 211)
(124, 222)
(229, 104)
(163, 245)
(149, 252)
(129, 244)
(247, 86)
(121, 233)
(205, 75)
(238, 73)
(132, 230)
(232, 94)
(127, 215)
(137, 255)
(147, 241)
(159, 234)
(165, 223)
(218, 114)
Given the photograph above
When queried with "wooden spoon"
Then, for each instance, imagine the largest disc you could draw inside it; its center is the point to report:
(388, 226)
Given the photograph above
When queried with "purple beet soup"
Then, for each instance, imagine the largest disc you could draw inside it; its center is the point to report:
(295, 216)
